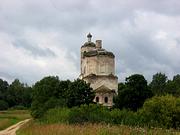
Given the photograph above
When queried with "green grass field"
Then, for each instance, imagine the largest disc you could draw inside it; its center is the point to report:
(34, 128)
(10, 117)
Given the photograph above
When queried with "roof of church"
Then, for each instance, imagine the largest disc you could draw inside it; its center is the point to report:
(103, 89)
(89, 44)
(98, 52)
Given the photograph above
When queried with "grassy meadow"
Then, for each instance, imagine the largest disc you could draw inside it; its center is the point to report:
(10, 117)
(35, 128)
(90, 121)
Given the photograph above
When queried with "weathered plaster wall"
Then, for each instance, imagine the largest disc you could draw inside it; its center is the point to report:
(99, 65)
(97, 81)
(102, 97)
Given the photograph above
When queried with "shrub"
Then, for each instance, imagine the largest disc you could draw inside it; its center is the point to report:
(156, 112)
(125, 117)
(56, 115)
(89, 113)
(161, 111)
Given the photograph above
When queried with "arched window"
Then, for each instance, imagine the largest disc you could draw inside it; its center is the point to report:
(106, 99)
(97, 99)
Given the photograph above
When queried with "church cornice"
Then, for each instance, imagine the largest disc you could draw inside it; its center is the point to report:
(100, 76)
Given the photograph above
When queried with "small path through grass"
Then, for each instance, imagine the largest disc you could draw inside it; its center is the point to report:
(12, 129)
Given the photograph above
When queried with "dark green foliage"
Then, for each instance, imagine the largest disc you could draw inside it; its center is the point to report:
(3, 105)
(56, 115)
(79, 93)
(18, 107)
(27, 96)
(125, 117)
(3, 89)
(51, 93)
(15, 92)
(121, 86)
(46, 95)
(158, 84)
(133, 93)
(91, 113)
(161, 112)
(173, 86)
(18, 94)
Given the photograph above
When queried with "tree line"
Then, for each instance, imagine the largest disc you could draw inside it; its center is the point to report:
(51, 92)
(14, 95)
(133, 93)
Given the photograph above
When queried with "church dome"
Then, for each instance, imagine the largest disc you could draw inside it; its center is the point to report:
(89, 43)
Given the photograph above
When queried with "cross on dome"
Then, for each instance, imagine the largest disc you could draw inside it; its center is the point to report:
(89, 36)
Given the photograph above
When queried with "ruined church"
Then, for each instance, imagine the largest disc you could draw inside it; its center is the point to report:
(98, 69)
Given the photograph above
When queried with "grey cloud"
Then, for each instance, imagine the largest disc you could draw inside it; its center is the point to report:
(133, 44)
(34, 49)
(7, 75)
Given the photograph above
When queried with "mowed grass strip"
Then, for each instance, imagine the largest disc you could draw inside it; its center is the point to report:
(10, 117)
(4, 123)
(33, 128)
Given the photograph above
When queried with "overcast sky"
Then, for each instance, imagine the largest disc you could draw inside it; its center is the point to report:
(43, 37)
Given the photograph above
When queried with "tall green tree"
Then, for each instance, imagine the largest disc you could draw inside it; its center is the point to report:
(27, 96)
(173, 86)
(158, 84)
(46, 94)
(3, 89)
(19, 94)
(134, 93)
(79, 92)
(14, 93)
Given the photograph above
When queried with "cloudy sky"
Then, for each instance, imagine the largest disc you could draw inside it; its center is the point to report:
(43, 37)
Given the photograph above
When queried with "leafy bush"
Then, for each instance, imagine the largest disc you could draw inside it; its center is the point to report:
(91, 113)
(161, 111)
(56, 115)
(157, 112)
(3, 105)
(125, 117)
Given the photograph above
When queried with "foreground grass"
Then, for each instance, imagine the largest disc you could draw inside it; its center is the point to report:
(10, 117)
(34, 128)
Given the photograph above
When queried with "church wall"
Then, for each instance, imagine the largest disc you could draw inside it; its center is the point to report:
(105, 65)
(96, 82)
(99, 65)
(102, 97)
(89, 66)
